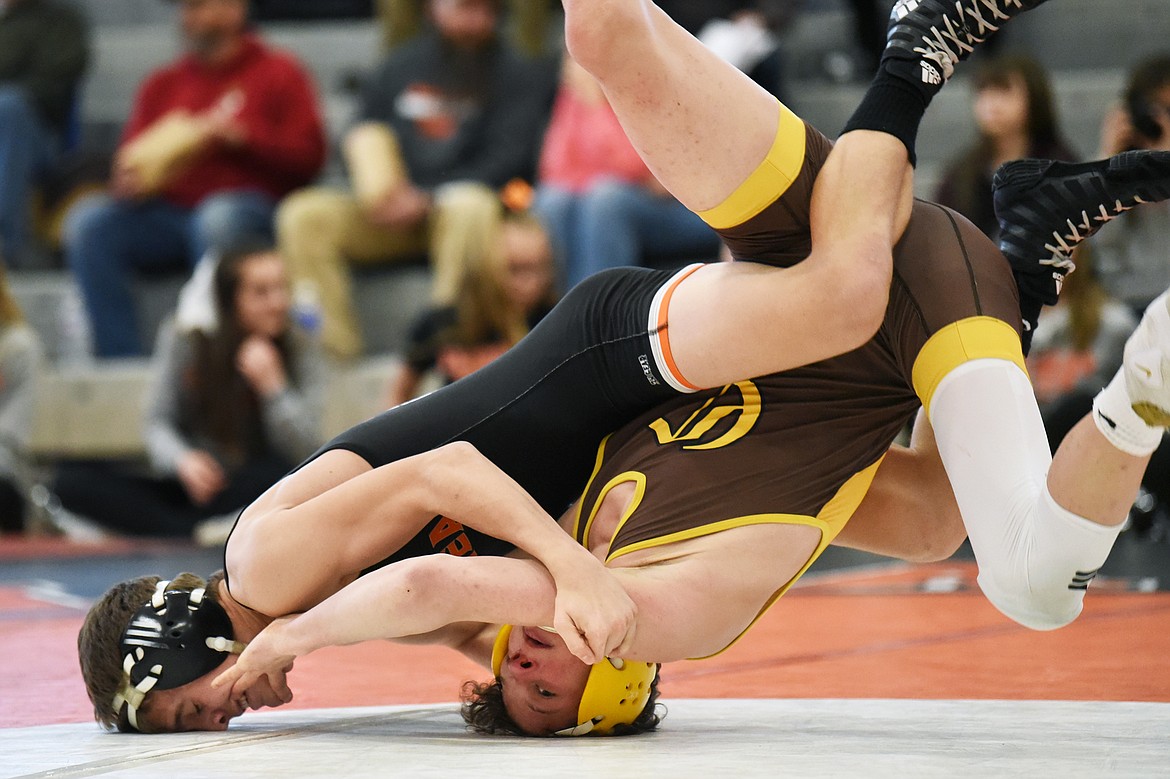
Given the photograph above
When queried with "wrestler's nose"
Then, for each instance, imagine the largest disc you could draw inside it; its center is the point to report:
(217, 719)
(521, 663)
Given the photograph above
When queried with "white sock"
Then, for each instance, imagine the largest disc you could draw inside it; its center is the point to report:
(1114, 416)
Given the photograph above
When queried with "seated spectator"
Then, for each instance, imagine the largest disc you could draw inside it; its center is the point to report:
(43, 53)
(1077, 348)
(403, 19)
(229, 411)
(1016, 117)
(446, 121)
(496, 306)
(600, 203)
(213, 142)
(1134, 253)
(20, 358)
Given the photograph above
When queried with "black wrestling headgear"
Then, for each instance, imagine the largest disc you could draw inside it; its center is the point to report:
(175, 638)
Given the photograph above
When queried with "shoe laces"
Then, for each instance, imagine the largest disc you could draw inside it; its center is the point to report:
(976, 21)
(1064, 243)
(1061, 265)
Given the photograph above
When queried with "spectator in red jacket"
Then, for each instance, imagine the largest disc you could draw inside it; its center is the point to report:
(214, 140)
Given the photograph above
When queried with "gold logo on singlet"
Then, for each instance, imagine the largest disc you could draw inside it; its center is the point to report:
(710, 414)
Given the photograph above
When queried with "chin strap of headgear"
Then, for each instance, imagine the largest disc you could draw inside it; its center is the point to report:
(615, 693)
(175, 638)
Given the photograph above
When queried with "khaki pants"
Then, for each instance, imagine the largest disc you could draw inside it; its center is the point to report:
(321, 230)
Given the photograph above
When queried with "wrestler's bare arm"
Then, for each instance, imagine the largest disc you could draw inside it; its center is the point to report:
(419, 596)
(910, 511)
(693, 599)
(305, 540)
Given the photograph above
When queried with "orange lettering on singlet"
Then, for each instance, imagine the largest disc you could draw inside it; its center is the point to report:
(460, 546)
(443, 529)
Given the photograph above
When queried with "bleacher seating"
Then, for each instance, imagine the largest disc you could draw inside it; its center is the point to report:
(95, 409)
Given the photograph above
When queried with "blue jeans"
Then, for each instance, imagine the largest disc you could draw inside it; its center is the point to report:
(616, 224)
(27, 146)
(107, 241)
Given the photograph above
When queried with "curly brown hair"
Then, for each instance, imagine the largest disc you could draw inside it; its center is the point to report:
(99, 641)
(484, 711)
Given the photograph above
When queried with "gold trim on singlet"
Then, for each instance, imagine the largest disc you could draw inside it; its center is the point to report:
(768, 181)
(581, 501)
(973, 338)
(639, 480)
(830, 521)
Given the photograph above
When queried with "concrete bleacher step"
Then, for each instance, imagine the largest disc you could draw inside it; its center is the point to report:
(92, 411)
(94, 408)
(104, 14)
(45, 297)
(95, 411)
(1092, 34)
(387, 298)
(52, 306)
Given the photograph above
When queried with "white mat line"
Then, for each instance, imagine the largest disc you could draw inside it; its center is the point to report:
(98, 767)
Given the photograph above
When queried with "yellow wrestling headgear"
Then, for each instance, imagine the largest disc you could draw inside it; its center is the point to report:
(615, 693)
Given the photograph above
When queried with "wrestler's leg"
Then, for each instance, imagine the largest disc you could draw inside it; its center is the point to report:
(909, 511)
(707, 132)
(1039, 535)
(704, 129)
(1115, 441)
(1084, 462)
(540, 410)
(701, 126)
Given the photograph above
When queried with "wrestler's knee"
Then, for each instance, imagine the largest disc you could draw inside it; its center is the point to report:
(1030, 604)
(1041, 573)
(593, 29)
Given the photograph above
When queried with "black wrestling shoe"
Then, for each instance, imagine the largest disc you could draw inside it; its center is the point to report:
(1046, 209)
(935, 35)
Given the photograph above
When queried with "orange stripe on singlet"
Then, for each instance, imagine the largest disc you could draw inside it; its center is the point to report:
(663, 332)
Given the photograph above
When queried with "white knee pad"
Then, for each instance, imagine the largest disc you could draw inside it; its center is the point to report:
(1040, 576)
